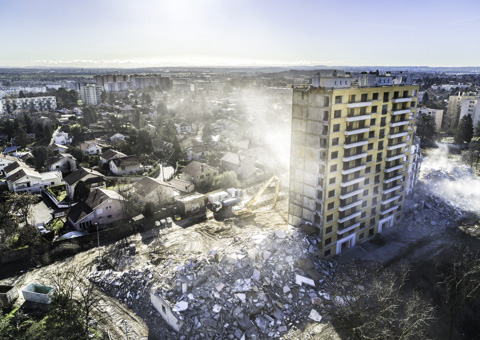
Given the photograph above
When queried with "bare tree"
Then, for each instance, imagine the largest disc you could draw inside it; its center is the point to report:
(372, 303)
(458, 281)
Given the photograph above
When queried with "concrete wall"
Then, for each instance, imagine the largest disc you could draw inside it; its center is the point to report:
(163, 307)
(38, 293)
(8, 293)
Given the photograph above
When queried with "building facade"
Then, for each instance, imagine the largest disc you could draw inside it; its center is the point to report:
(91, 94)
(454, 109)
(34, 104)
(471, 107)
(125, 82)
(350, 154)
(435, 113)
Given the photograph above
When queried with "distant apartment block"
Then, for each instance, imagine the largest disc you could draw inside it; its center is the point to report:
(91, 94)
(351, 156)
(455, 106)
(125, 82)
(437, 114)
(471, 107)
(34, 104)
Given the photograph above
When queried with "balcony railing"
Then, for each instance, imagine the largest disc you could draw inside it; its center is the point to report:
(393, 168)
(393, 179)
(390, 199)
(354, 157)
(387, 191)
(354, 118)
(347, 229)
(352, 182)
(351, 193)
(402, 100)
(384, 212)
(400, 112)
(353, 169)
(396, 145)
(398, 135)
(349, 217)
(349, 143)
(351, 205)
(356, 131)
(394, 157)
(400, 123)
(359, 104)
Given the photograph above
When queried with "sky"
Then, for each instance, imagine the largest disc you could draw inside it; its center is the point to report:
(145, 33)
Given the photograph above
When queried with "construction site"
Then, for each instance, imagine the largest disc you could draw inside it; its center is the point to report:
(256, 277)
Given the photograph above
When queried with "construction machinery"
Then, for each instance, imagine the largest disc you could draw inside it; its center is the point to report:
(229, 204)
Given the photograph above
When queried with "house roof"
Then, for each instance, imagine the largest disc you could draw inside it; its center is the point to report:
(78, 174)
(195, 168)
(58, 157)
(58, 147)
(148, 184)
(179, 184)
(11, 167)
(111, 153)
(96, 197)
(124, 161)
(84, 146)
(11, 149)
(16, 176)
(232, 158)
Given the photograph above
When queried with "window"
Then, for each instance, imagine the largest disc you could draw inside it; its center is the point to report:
(374, 200)
(330, 218)
(377, 179)
(109, 216)
(367, 181)
(365, 97)
(331, 193)
(384, 109)
(372, 221)
(328, 252)
(331, 180)
(336, 128)
(374, 109)
(373, 122)
(368, 170)
(362, 235)
(365, 193)
(373, 211)
(364, 204)
(333, 168)
(363, 111)
(335, 141)
(334, 155)
(338, 99)
(330, 206)
(370, 232)
(325, 115)
(412, 104)
(386, 95)
(328, 241)
(337, 113)
(375, 190)
(326, 101)
(369, 158)
(379, 157)
(370, 146)
(328, 230)
(371, 134)
(378, 168)
(375, 96)
(364, 214)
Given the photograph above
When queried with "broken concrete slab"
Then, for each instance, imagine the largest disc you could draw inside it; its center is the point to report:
(299, 280)
(315, 316)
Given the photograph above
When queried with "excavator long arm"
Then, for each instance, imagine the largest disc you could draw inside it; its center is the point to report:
(260, 192)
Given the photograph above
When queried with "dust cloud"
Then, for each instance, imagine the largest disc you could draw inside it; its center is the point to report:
(451, 180)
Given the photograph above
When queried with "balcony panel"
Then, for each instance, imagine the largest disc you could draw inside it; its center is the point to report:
(354, 144)
(398, 135)
(354, 157)
(352, 182)
(350, 194)
(396, 146)
(393, 179)
(389, 210)
(359, 104)
(403, 122)
(357, 168)
(343, 231)
(351, 205)
(391, 189)
(357, 131)
(389, 159)
(402, 100)
(397, 167)
(348, 218)
(357, 118)
(401, 112)
(390, 200)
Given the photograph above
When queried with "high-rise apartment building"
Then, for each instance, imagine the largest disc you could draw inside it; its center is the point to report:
(457, 104)
(125, 82)
(91, 94)
(350, 156)
(33, 104)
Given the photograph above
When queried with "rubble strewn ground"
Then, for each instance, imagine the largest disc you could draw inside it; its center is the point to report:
(241, 279)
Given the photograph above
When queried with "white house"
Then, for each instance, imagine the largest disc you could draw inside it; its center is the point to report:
(110, 154)
(153, 190)
(91, 178)
(125, 165)
(91, 148)
(61, 138)
(6, 160)
(117, 137)
(63, 162)
(26, 179)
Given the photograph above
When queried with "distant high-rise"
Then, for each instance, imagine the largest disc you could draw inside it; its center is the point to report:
(457, 105)
(91, 94)
(352, 158)
(48, 103)
(124, 82)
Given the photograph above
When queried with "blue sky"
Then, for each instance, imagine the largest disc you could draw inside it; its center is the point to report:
(239, 32)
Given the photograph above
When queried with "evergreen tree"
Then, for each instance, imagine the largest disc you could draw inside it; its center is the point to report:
(177, 150)
(464, 130)
(426, 128)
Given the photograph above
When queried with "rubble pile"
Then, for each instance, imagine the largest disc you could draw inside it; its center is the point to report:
(253, 283)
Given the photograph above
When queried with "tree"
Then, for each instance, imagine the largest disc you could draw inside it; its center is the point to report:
(111, 98)
(76, 131)
(89, 115)
(21, 94)
(228, 179)
(81, 191)
(426, 128)
(76, 153)
(21, 138)
(464, 130)
(458, 281)
(41, 155)
(8, 225)
(425, 98)
(103, 96)
(130, 204)
(144, 142)
(22, 203)
(177, 150)
(168, 132)
(477, 129)
(148, 209)
(207, 133)
(372, 303)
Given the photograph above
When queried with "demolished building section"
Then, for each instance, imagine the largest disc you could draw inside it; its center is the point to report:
(351, 156)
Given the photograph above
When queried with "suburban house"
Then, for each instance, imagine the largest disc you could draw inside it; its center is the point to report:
(61, 138)
(108, 155)
(64, 162)
(244, 166)
(92, 178)
(126, 165)
(58, 147)
(6, 160)
(182, 186)
(199, 173)
(102, 206)
(183, 128)
(13, 167)
(27, 179)
(91, 148)
(153, 190)
(117, 137)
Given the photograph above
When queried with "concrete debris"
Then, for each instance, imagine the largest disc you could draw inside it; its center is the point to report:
(315, 316)
(239, 293)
